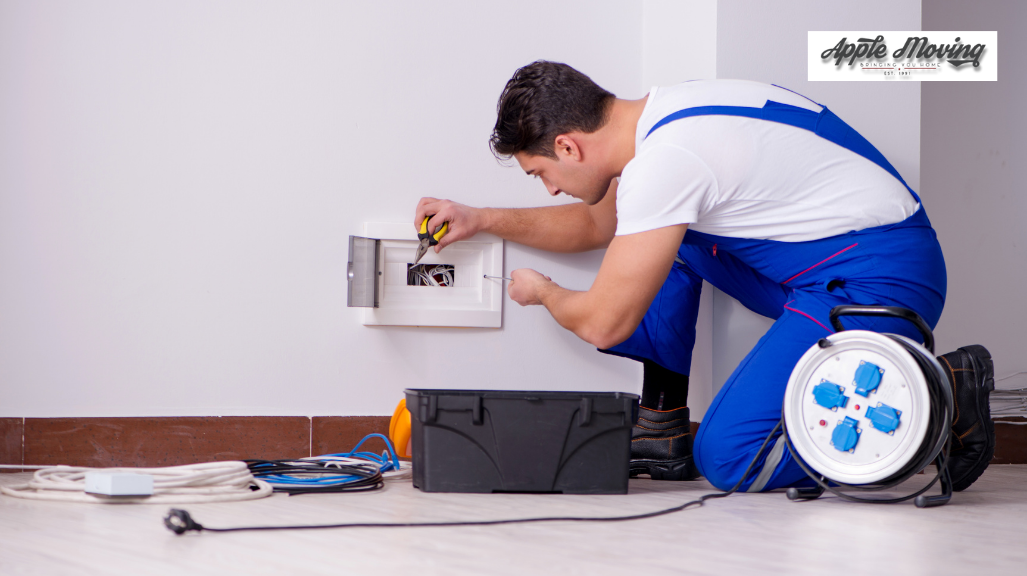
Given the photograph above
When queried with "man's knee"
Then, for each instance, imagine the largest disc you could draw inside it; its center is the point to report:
(714, 460)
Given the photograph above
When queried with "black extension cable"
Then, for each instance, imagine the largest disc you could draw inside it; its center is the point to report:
(179, 521)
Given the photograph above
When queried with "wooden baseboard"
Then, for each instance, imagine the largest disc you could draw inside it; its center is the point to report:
(168, 441)
(1010, 442)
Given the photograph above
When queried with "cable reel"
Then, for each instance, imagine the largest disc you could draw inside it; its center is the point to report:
(865, 411)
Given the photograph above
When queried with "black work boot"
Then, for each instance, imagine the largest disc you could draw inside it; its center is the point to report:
(972, 374)
(661, 445)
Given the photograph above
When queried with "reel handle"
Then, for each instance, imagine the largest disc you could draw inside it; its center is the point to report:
(886, 311)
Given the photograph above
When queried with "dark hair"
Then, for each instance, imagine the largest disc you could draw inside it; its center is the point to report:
(541, 101)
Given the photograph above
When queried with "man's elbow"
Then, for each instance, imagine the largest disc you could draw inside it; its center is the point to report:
(608, 336)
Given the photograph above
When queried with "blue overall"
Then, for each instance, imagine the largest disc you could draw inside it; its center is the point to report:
(796, 284)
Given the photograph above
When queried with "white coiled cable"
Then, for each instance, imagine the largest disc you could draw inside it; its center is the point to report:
(208, 482)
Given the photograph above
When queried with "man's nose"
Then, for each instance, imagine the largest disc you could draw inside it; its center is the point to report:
(553, 190)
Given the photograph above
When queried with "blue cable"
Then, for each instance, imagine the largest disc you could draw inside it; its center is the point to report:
(324, 464)
(382, 459)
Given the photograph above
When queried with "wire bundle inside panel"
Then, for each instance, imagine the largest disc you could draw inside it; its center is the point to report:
(430, 274)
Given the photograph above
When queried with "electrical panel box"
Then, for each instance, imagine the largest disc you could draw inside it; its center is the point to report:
(447, 289)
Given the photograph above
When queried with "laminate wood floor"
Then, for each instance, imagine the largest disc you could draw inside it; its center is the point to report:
(982, 531)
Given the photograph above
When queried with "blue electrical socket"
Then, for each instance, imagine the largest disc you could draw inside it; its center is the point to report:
(830, 395)
(868, 378)
(846, 435)
(884, 417)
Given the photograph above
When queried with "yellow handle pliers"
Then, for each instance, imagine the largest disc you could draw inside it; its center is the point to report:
(429, 239)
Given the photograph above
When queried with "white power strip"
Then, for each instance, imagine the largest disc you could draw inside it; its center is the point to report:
(119, 484)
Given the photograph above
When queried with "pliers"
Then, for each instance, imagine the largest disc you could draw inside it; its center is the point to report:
(429, 239)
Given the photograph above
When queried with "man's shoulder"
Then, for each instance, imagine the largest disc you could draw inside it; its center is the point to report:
(721, 92)
(664, 166)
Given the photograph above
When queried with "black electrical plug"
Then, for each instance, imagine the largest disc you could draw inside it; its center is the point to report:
(179, 521)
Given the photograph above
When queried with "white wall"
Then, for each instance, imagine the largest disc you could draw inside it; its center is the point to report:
(178, 180)
(974, 173)
(766, 41)
(679, 42)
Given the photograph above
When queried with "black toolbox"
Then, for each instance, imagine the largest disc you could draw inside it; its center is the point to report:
(521, 441)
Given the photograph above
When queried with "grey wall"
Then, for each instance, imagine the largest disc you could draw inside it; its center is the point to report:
(974, 166)
(766, 41)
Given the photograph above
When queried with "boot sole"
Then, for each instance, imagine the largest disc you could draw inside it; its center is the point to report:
(679, 469)
(983, 366)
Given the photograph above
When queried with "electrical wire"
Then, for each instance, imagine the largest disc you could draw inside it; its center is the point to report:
(208, 482)
(179, 521)
(353, 471)
(431, 275)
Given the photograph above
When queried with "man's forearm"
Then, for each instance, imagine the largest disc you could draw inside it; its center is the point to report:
(634, 269)
(567, 228)
(576, 311)
(568, 307)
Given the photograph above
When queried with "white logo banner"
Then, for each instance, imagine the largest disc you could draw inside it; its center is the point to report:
(903, 56)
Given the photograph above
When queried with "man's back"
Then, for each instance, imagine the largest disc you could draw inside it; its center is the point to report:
(746, 177)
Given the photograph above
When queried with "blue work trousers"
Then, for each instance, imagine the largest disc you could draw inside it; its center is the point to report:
(797, 284)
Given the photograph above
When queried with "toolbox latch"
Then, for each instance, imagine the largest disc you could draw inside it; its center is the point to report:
(476, 410)
(429, 407)
(585, 412)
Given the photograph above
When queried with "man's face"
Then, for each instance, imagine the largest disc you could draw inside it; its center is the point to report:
(567, 174)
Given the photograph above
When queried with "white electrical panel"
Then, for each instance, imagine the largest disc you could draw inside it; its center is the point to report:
(463, 296)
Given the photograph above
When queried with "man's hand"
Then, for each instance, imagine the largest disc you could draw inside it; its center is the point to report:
(573, 227)
(527, 285)
(464, 221)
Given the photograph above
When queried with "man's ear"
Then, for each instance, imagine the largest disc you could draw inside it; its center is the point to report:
(567, 148)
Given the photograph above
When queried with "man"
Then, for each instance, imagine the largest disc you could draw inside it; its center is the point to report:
(758, 190)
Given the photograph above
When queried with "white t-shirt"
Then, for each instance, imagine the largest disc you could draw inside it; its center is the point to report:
(749, 178)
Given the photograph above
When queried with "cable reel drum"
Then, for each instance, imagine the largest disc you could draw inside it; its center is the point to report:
(865, 411)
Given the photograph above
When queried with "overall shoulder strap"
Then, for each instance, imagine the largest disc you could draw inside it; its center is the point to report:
(824, 124)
